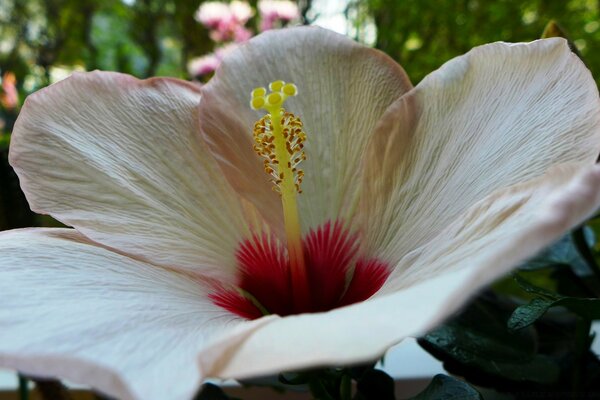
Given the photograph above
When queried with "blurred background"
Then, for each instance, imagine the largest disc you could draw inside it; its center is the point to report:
(42, 41)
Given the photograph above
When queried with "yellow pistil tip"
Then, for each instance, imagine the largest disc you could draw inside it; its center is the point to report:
(257, 103)
(276, 86)
(290, 89)
(259, 92)
(271, 102)
(275, 99)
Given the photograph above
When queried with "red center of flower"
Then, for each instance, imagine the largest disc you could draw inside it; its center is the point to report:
(337, 275)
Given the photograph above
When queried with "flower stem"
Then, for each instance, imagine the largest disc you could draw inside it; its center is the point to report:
(346, 387)
(23, 388)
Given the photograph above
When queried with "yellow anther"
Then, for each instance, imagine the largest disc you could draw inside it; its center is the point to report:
(290, 89)
(257, 103)
(276, 86)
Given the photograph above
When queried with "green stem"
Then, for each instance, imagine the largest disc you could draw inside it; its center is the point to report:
(23, 388)
(51, 389)
(346, 387)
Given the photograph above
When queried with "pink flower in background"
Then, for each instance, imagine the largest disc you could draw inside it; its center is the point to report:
(241, 11)
(212, 13)
(230, 31)
(10, 95)
(203, 65)
(272, 11)
(222, 34)
(267, 24)
(241, 34)
(209, 63)
(226, 21)
(282, 9)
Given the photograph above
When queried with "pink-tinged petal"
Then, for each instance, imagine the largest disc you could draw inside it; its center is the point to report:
(344, 88)
(499, 115)
(122, 161)
(534, 215)
(77, 311)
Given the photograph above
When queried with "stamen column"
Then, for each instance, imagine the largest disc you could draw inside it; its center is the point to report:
(281, 147)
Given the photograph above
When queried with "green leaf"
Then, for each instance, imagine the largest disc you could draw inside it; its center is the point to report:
(533, 289)
(444, 387)
(525, 315)
(477, 343)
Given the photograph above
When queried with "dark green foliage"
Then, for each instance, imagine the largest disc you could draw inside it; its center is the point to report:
(151, 37)
(527, 314)
(145, 38)
(422, 34)
(531, 334)
(14, 210)
(478, 345)
(375, 385)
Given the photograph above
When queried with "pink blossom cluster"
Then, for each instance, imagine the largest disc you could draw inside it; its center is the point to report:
(227, 25)
(207, 64)
(226, 21)
(276, 11)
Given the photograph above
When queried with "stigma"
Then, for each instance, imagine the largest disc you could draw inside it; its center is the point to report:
(279, 140)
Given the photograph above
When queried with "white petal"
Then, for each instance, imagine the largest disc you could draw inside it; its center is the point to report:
(364, 331)
(78, 311)
(500, 115)
(344, 88)
(122, 161)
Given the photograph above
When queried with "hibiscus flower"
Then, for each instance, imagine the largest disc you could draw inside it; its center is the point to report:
(182, 263)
